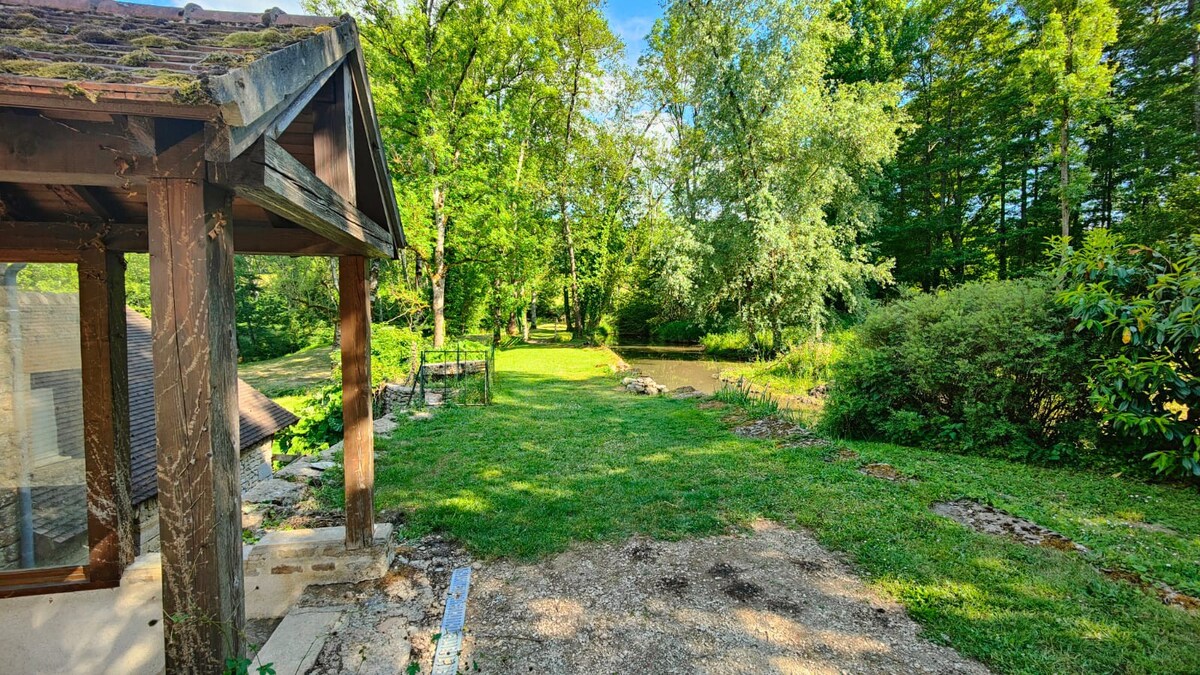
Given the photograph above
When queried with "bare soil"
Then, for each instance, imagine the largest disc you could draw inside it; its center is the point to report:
(770, 601)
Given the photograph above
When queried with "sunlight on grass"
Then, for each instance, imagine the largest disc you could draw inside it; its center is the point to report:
(564, 457)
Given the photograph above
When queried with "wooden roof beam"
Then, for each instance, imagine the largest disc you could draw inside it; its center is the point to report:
(268, 176)
(40, 150)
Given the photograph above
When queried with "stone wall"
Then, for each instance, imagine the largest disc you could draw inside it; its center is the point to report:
(256, 463)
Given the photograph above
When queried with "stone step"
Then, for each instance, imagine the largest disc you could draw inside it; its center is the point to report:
(294, 646)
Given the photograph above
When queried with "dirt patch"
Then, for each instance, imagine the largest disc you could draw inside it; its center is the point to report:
(389, 623)
(990, 520)
(712, 405)
(842, 454)
(771, 601)
(885, 472)
(1168, 595)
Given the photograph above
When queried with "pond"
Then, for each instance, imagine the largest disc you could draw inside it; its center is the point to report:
(675, 365)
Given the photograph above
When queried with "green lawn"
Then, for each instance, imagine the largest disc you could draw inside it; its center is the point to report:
(289, 380)
(563, 457)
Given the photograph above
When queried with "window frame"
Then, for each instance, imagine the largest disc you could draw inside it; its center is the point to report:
(99, 325)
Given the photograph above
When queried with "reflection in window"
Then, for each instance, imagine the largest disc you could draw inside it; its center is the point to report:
(43, 499)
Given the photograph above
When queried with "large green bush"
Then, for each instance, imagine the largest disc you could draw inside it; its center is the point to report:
(392, 352)
(1141, 305)
(989, 368)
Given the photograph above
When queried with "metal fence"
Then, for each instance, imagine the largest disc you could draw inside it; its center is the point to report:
(463, 375)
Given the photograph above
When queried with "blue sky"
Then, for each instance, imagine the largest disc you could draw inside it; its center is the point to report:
(630, 19)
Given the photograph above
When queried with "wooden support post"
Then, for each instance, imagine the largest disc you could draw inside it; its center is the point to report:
(358, 427)
(196, 410)
(106, 412)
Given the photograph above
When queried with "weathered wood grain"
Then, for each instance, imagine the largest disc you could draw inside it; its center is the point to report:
(195, 391)
(358, 428)
(106, 412)
(246, 94)
(333, 137)
(268, 176)
(377, 197)
(40, 150)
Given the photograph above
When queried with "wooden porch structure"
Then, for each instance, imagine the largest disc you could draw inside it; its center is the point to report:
(192, 135)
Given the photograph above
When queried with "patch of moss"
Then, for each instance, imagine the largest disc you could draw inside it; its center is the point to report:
(75, 91)
(38, 44)
(137, 58)
(156, 41)
(255, 38)
(227, 59)
(301, 32)
(189, 89)
(19, 20)
(97, 37)
(170, 78)
(57, 70)
(31, 32)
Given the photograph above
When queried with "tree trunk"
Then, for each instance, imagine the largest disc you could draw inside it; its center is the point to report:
(1064, 169)
(567, 309)
(1194, 20)
(511, 328)
(533, 311)
(437, 276)
(1002, 244)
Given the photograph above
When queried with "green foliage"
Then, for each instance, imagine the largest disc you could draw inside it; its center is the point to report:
(757, 403)
(1142, 303)
(728, 345)
(392, 352)
(987, 368)
(772, 162)
(676, 331)
(810, 363)
(320, 423)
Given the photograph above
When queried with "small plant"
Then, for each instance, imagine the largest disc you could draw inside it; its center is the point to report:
(742, 394)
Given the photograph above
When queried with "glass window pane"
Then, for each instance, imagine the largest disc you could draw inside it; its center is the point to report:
(43, 498)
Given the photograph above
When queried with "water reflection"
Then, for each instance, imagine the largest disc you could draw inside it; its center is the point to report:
(675, 365)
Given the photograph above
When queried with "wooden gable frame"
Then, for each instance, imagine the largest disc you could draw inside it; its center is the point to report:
(284, 157)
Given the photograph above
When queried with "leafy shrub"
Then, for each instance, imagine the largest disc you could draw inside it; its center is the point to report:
(1142, 304)
(392, 352)
(987, 367)
(320, 424)
(731, 345)
(676, 331)
(810, 363)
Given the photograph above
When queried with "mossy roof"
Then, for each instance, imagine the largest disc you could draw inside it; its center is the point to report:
(89, 45)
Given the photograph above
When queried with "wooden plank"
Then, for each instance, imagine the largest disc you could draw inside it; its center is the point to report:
(333, 137)
(196, 410)
(67, 240)
(246, 94)
(224, 142)
(268, 176)
(358, 428)
(106, 412)
(377, 196)
(40, 150)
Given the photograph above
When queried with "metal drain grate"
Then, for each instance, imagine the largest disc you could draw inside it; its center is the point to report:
(445, 659)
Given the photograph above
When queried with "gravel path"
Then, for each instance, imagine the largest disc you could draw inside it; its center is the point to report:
(773, 601)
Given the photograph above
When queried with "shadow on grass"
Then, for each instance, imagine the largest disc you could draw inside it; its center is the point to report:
(564, 457)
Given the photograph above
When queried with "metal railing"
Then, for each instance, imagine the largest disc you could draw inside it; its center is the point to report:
(462, 375)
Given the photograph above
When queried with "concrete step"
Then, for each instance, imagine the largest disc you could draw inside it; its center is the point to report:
(294, 646)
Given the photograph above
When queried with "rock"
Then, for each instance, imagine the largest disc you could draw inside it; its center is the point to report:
(327, 453)
(252, 520)
(627, 381)
(301, 468)
(274, 491)
(385, 425)
(322, 466)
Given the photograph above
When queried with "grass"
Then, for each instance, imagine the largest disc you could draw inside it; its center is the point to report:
(290, 379)
(563, 458)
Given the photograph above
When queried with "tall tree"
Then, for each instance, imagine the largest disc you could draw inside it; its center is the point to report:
(1069, 80)
(786, 153)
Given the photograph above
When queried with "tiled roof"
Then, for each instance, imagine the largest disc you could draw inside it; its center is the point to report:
(259, 416)
(141, 47)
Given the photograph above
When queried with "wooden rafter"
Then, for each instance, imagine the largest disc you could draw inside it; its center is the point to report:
(268, 176)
